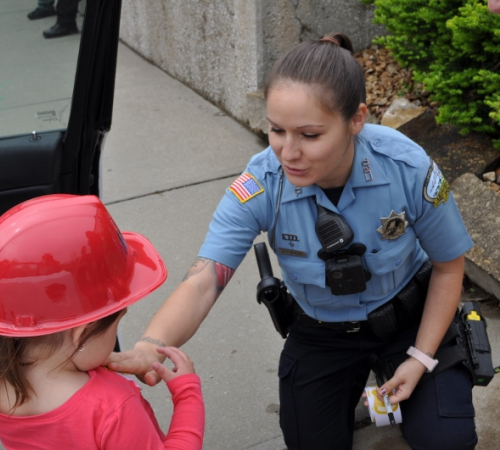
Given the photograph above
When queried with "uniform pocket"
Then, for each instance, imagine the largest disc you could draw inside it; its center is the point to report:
(453, 399)
(286, 365)
(390, 265)
(306, 280)
(442, 407)
(303, 271)
(288, 418)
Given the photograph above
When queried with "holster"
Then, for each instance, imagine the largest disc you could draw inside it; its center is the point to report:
(465, 342)
(405, 309)
(273, 293)
(280, 306)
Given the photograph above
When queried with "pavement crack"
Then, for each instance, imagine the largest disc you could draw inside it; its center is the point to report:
(159, 192)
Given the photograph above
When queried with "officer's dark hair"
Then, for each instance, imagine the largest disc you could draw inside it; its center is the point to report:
(18, 353)
(329, 68)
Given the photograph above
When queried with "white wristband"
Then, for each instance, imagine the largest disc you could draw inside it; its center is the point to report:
(426, 360)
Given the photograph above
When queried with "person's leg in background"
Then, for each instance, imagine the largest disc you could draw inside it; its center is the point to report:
(45, 8)
(66, 20)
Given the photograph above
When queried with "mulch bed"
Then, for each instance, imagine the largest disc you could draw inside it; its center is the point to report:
(455, 154)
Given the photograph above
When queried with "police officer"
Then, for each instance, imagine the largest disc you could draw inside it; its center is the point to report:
(390, 211)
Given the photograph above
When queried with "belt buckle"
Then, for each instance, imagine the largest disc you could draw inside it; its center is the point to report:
(356, 328)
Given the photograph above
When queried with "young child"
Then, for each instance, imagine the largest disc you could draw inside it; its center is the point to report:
(67, 275)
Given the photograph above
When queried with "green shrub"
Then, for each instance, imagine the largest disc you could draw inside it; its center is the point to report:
(453, 48)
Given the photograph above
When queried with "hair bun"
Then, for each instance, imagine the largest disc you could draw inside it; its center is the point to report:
(338, 39)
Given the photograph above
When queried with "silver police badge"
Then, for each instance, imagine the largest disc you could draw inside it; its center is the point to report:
(393, 226)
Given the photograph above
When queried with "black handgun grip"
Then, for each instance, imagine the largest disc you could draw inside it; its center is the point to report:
(268, 290)
(263, 261)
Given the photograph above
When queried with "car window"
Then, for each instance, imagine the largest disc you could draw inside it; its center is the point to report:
(36, 74)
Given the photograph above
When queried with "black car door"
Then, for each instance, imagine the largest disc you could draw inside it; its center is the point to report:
(56, 100)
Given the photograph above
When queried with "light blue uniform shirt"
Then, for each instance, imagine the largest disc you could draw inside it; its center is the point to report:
(390, 173)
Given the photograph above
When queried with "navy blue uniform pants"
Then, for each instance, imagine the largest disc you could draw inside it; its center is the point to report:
(323, 373)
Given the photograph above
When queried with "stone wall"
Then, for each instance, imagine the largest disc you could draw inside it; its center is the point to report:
(479, 206)
(223, 49)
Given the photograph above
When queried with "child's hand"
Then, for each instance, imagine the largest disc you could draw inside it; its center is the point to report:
(182, 363)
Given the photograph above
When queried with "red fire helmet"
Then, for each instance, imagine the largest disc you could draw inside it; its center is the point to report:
(64, 263)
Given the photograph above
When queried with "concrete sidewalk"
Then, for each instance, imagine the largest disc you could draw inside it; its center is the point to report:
(167, 160)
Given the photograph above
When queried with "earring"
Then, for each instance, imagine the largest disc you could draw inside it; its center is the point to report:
(82, 348)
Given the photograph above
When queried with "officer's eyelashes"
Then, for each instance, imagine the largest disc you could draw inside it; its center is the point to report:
(275, 130)
(306, 135)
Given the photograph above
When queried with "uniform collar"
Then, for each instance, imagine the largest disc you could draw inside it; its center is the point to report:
(366, 172)
(291, 194)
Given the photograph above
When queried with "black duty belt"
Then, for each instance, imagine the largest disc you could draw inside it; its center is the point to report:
(403, 311)
(348, 327)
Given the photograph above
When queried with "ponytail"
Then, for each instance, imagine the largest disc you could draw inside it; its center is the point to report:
(338, 39)
(328, 67)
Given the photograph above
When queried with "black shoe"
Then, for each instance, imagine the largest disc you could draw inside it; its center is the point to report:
(41, 13)
(59, 30)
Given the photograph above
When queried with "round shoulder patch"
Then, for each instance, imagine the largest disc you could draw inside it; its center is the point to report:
(436, 188)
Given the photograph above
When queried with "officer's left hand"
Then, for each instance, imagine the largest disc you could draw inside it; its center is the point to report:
(404, 380)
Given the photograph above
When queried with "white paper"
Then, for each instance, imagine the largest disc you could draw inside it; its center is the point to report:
(378, 411)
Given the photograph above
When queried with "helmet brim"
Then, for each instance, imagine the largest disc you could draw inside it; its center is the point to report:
(148, 273)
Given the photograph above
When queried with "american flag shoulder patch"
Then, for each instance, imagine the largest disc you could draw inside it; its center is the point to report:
(245, 187)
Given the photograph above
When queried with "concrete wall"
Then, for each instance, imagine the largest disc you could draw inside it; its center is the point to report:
(223, 49)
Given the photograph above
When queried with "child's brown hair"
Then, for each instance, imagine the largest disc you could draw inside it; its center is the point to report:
(15, 355)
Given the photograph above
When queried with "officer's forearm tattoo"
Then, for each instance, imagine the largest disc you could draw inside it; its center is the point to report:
(152, 341)
(198, 265)
(223, 273)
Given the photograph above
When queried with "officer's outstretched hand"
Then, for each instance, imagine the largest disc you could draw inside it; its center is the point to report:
(404, 380)
(138, 361)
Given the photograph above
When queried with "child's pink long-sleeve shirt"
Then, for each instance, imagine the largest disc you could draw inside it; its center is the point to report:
(109, 412)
